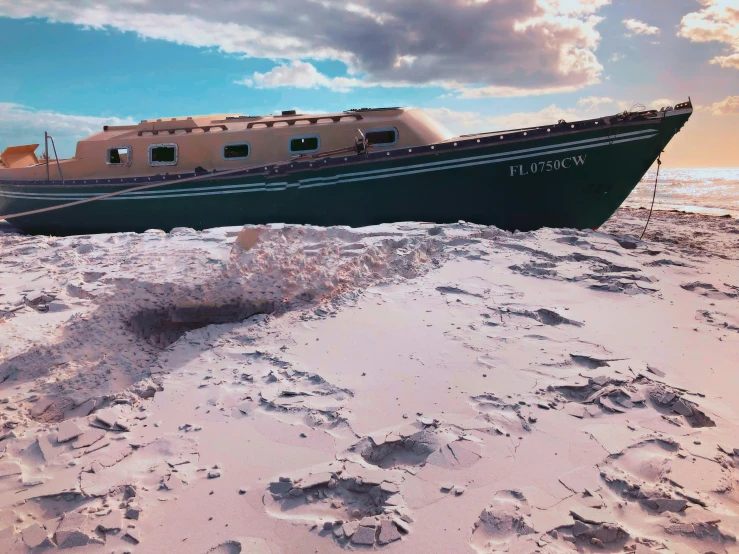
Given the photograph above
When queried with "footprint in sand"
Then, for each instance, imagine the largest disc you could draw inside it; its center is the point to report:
(357, 506)
(505, 525)
(428, 441)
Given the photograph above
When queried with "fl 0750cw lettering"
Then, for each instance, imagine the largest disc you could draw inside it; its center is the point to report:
(549, 165)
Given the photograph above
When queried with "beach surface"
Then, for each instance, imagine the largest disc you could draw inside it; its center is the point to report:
(401, 388)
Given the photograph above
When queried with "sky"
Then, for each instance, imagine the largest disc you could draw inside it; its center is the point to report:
(71, 66)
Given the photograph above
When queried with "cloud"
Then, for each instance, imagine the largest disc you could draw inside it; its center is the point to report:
(727, 106)
(299, 75)
(661, 103)
(637, 27)
(459, 122)
(593, 103)
(574, 7)
(503, 92)
(718, 21)
(617, 57)
(482, 47)
(23, 125)
(305, 75)
(468, 122)
(548, 115)
(727, 61)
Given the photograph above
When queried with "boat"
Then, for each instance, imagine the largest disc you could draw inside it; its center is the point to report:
(356, 168)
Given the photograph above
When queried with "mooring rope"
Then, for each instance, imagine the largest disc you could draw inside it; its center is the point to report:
(139, 187)
(659, 163)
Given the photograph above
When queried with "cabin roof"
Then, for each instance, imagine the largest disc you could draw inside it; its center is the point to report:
(205, 123)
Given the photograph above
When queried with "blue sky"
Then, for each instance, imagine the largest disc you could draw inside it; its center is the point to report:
(476, 65)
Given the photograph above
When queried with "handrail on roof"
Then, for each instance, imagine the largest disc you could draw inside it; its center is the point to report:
(187, 129)
(311, 120)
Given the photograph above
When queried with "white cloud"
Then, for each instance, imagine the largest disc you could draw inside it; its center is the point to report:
(727, 61)
(718, 21)
(503, 92)
(468, 122)
(486, 48)
(593, 103)
(661, 103)
(305, 75)
(550, 114)
(23, 125)
(617, 57)
(573, 7)
(299, 75)
(459, 122)
(637, 27)
(727, 106)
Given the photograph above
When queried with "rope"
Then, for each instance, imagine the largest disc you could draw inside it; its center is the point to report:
(59, 167)
(659, 163)
(164, 183)
(132, 189)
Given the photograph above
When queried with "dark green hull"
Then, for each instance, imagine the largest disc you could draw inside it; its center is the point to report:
(574, 175)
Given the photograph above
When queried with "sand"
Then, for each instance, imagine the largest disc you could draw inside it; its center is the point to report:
(401, 388)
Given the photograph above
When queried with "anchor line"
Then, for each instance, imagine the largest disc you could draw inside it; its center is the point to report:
(654, 195)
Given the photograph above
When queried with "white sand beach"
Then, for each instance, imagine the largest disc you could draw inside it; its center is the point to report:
(400, 388)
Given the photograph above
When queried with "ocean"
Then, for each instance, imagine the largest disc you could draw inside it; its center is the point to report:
(713, 191)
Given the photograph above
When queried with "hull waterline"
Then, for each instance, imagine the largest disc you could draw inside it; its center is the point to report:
(568, 176)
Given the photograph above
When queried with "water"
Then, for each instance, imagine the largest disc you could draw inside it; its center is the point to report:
(713, 191)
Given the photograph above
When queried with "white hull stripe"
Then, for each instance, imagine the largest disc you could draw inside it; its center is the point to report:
(353, 177)
(539, 150)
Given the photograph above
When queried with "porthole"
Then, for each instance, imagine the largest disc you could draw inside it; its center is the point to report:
(119, 155)
(304, 144)
(236, 151)
(386, 136)
(163, 154)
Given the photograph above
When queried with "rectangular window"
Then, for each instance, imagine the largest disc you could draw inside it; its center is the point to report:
(304, 144)
(118, 155)
(236, 151)
(382, 137)
(163, 154)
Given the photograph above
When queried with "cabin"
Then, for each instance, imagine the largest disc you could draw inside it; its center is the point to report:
(221, 142)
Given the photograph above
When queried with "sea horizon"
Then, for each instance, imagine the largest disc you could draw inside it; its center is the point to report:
(704, 190)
